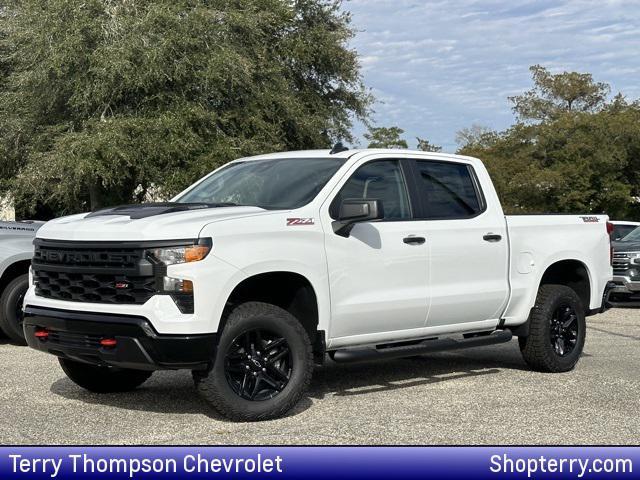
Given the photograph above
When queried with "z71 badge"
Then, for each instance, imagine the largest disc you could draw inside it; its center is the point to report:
(292, 222)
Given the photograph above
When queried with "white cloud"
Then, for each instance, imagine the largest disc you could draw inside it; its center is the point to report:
(442, 65)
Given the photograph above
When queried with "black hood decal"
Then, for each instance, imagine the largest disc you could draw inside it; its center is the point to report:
(144, 210)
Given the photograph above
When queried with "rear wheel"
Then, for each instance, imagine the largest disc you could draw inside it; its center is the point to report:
(557, 330)
(263, 364)
(100, 379)
(11, 315)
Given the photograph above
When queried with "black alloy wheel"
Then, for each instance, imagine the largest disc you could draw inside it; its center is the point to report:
(262, 366)
(557, 330)
(564, 330)
(258, 364)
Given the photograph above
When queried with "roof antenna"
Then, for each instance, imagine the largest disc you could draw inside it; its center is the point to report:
(337, 148)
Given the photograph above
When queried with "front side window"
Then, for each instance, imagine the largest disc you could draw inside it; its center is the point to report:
(281, 184)
(449, 190)
(379, 180)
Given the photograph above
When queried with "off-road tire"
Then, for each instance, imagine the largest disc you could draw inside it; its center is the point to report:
(537, 348)
(10, 308)
(214, 387)
(100, 379)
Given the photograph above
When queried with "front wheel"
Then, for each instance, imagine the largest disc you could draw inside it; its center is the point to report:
(11, 315)
(101, 379)
(557, 330)
(263, 364)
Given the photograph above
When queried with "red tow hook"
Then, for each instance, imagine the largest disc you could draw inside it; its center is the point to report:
(108, 343)
(41, 334)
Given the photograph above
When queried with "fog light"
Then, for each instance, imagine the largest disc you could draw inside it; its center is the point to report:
(177, 285)
(633, 272)
(181, 291)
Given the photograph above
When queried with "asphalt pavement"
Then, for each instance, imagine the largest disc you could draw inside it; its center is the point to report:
(477, 396)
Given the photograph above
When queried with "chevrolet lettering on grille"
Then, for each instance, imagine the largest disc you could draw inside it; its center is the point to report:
(52, 256)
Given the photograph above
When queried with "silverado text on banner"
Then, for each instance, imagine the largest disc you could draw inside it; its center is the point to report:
(319, 462)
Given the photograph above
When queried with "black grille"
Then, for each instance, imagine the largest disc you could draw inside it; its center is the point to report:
(80, 272)
(621, 263)
(98, 288)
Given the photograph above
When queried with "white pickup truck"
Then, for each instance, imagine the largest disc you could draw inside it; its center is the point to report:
(16, 250)
(261, 268)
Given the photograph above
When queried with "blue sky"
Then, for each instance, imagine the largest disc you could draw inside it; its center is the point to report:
(436, 67)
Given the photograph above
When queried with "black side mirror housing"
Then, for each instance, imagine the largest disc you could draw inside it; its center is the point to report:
(354, 211)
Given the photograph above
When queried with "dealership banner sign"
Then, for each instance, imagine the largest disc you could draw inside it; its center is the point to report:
(319, 462)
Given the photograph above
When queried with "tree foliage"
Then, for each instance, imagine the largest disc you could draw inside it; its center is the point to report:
(102, 100)
(385, 137)
(581, 155)
(553, 95)
(427, 146)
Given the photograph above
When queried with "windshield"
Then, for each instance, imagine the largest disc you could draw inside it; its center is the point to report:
(281, 184)
(634, 236)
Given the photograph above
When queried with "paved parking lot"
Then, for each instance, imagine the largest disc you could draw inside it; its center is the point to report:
(479, 396)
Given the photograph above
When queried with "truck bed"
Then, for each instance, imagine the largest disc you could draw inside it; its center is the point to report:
(538, 241)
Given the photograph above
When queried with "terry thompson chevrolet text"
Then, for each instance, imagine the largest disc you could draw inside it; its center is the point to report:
(252, 275)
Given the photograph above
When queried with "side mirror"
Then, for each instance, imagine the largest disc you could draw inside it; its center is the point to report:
(354, 211)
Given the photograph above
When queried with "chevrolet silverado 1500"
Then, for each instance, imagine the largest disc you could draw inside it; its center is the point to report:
(16, 250)
(262, 268)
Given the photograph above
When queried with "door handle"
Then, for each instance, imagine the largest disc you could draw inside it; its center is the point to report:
(411, 240)
(492, 237)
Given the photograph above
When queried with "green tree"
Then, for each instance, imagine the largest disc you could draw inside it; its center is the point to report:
(475, 135)
(104, 100)
(576, 159)
(385, 137)
(555, 94)
(427, 146)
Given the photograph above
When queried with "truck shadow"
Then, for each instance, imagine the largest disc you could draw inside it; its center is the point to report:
(359, 379)
(165, 393)
(174, 393)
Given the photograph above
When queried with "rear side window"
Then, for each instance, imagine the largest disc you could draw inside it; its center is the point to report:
(449, 190)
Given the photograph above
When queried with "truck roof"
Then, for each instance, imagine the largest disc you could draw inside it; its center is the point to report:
(349, 153)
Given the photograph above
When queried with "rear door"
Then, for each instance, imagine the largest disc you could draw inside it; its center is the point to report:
(468, 245)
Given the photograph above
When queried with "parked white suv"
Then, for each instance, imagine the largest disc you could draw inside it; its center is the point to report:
(261, 268)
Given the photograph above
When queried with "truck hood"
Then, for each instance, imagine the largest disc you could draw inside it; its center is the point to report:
(137, 224)
(628, 246)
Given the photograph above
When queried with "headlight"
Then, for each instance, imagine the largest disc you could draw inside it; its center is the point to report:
(182, 253)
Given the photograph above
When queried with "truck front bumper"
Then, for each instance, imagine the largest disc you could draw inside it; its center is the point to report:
(624, 292)
(115, 340)
(625, 285)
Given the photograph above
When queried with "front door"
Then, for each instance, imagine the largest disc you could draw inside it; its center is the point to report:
(378, 276)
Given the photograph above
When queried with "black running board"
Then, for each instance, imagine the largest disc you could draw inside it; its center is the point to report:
(428, 346)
